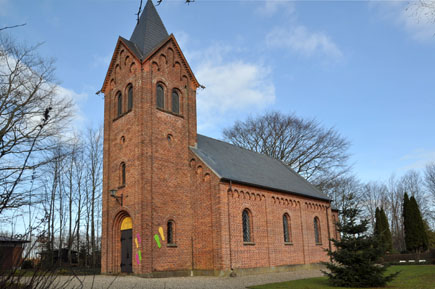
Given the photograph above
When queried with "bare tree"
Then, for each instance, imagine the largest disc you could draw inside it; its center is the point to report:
(429, 178)
(94, 170)
(341, 188)
(414, 185)
(318, 154)
(423, 10)
(395, 194)
(31, 112)
(374, 195)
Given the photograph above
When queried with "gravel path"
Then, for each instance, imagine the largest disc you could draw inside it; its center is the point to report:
(127, 282)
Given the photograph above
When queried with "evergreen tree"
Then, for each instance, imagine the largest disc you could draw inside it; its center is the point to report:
(382, 230)
(387, 239)
(378, 224)
(407, 223)
(416, 232)
(355, 259)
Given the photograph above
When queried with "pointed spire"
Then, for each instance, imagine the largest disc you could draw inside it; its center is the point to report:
(149, 31)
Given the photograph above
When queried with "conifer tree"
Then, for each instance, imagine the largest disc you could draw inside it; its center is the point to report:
(378, 224)
(355, 260)
(407, 223)
(415, 234)
(382, 230)
(387, 238)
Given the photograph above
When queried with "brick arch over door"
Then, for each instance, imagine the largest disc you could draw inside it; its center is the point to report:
(116, 238)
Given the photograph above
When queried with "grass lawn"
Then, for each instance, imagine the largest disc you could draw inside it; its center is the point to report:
(411, 277)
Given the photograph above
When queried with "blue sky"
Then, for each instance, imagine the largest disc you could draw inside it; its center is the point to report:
(365, 68)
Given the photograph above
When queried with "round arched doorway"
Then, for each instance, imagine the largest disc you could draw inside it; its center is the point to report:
(126, 245)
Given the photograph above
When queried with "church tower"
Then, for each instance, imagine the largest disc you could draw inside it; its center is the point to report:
(149, 125)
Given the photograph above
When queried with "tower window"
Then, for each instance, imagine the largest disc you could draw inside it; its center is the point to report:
(170, 233)
(317, 231)
(247, 226)
(160, 96)
(175, 102)
(286, 228)
(122, 175)
(119, 96)
(130, 97)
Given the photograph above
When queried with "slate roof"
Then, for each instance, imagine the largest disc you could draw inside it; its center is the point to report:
(243, 166)
(148, 33)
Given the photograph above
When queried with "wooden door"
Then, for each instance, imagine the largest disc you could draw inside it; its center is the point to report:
(126, 251)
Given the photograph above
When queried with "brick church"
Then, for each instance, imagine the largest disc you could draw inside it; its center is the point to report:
(179, 203)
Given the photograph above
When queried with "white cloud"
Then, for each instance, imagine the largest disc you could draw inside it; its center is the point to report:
(75, 98)
(302, 41)
(101, 61)
(270, 7)
(232, 87)
(418, 159)
(417, 18)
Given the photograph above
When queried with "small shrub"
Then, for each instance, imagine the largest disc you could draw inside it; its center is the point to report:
(27, 264)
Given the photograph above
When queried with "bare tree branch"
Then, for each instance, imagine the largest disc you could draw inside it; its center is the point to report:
(13, 26)
(31, 112)
(138, 12)
(186, 1)
(318, 154)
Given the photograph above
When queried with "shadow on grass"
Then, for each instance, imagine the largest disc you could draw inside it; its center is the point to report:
(410, 277)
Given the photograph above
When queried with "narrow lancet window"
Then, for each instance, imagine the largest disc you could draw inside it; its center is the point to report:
(246, 220)
(317, 231)
(175, 102)
(119, 96)
(160, 96)
(130, 97)
(122, 174)
(170, 232)
(286, 228)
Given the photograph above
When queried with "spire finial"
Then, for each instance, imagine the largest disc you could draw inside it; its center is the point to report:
(149, 30)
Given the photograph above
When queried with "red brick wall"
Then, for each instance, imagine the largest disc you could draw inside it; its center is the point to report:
(166, 181)
(267, 209)
(157, 185)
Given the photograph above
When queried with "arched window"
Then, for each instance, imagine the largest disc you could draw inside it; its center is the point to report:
(160, 96)
(175, 102)
(122, 175)
(286, 228)
(130, 97)
(247, 226)
(119, 96)
(317, 230)
(170, 232)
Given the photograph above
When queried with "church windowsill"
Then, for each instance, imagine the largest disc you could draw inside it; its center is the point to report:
(170, 112)
(172, 245)
(318, 244)
(121, 115)
(249, 243)
(288, 243)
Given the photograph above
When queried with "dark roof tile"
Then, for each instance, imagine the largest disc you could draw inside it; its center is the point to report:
(233, 163)
(149, 31)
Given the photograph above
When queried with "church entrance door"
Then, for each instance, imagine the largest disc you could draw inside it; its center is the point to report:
(126, 245)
